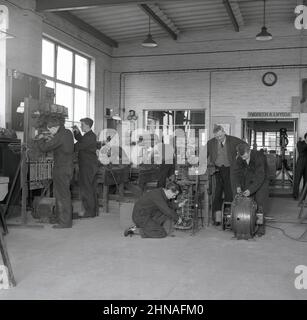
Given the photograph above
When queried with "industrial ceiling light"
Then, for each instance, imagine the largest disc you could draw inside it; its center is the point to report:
(149, 42)
(264, 35)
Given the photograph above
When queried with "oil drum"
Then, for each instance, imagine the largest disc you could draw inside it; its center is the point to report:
(244, 217)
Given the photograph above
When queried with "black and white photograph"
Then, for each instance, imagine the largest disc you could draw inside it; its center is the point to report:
(153, 150)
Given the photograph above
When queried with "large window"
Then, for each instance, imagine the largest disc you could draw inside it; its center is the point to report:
(68, 73)
(191, 125)
(270, 141)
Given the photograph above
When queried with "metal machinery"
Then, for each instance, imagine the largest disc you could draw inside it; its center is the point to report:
(193, 191)
(32, 114)
(241, 216)
(38, 166)
(276, 138)
(283, 167)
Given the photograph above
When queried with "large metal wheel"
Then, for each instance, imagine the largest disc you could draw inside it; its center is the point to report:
(244, 217)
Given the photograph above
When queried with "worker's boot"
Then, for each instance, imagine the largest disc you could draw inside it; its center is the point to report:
(129, 231)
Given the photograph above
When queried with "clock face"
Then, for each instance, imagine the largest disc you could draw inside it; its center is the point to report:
(269, 78)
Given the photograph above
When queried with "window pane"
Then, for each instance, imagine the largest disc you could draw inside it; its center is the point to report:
(259, 139)
(48, 58)
(64, 97)
(68, 124)
(64, 65)
(270, 139)
(80, 104)
(197, 117)
(50, 84)
(291, 140)
(81, 72)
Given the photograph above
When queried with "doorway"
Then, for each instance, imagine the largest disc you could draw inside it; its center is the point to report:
(277, 140)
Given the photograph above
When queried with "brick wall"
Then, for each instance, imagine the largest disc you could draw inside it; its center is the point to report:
(150, 79)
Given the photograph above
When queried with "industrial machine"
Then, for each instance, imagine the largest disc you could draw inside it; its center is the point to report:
(283, 166)
(191, 214)
(241, 216)
(33, 105)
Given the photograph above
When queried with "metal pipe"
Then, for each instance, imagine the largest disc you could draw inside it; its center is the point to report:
(210, 70)
(208, 52)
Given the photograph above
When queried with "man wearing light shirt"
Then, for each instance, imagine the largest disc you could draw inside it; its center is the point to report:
(221, 152)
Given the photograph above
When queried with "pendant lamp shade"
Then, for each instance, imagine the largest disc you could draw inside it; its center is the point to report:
(149, 42)
(264, 35)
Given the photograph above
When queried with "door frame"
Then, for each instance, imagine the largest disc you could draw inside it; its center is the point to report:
(290, 119)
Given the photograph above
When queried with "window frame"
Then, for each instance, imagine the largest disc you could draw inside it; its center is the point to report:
(71, 84)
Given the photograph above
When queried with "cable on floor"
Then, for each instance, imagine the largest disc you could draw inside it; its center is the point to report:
(288, 236)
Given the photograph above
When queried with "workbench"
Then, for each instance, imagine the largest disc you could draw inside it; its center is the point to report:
(112, 175)
(144, 174)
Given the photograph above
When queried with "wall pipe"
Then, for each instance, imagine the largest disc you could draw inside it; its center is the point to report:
(210, 70)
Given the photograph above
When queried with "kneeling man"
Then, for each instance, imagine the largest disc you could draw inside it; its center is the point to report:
(154, 213)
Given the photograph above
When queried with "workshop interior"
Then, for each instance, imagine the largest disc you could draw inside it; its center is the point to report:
(195, 137)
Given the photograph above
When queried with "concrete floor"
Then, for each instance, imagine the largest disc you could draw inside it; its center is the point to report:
(93, 260)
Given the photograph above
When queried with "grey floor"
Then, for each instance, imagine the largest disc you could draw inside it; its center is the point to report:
(93, 260)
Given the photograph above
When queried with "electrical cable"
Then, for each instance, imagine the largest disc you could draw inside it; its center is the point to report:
(288, 222)
(288, 236)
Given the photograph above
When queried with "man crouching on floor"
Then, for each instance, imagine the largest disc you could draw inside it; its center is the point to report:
(154, 213)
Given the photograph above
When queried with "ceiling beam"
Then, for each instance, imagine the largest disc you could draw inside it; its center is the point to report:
(65, 5)
(231, 15)
(152, 14)
(237, 12)
(87, 28)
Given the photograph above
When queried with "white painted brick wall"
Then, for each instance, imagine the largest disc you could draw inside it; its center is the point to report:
(175, 90)
(233, 93)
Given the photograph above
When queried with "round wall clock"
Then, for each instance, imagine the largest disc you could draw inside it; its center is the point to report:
(269, 78)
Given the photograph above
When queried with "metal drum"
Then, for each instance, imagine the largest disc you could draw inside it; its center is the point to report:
(243, 217)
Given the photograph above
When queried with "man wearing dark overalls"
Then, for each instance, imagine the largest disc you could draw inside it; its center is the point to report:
(62, 145)
(250, 175)
(154, 213)
(88, 166)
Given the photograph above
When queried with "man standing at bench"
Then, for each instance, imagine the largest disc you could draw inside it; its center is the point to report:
(154, 213)
(62, 145)
(86, 147)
